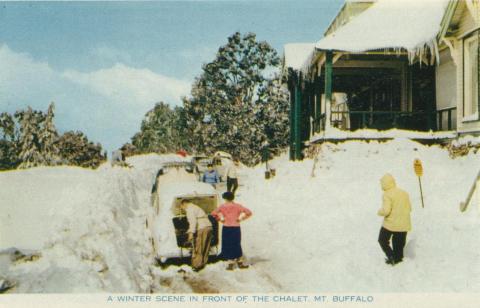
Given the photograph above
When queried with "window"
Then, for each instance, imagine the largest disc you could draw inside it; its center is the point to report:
(470, 107)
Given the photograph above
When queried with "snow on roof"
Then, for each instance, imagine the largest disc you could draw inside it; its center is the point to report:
(296, 54)
(390, 24)
(346, 13)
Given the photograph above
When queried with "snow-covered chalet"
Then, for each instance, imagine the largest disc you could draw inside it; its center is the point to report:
(387, 67)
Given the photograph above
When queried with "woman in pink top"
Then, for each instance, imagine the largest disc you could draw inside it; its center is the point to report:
(231, 214)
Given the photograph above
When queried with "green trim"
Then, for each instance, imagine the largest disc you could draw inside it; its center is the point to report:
(328, 77)
(318, 106)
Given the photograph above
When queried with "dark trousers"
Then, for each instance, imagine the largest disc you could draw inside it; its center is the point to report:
(398, 243)
(232, 184)
(231, 243)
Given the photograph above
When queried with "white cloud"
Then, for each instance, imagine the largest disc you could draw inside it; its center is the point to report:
(107, 104)
(131, 86)
(20, 74)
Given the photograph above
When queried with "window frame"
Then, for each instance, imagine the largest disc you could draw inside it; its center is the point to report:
(474, 36)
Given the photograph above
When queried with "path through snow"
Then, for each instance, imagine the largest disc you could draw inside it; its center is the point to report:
(306, 235)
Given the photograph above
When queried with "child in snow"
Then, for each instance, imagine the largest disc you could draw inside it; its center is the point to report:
(231, 214)
(211, 176)
(396, 210)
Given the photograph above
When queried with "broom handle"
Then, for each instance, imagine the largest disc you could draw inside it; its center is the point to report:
(472, 190)
(421, 191)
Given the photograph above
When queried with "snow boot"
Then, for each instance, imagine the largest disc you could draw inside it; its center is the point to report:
(230, 267)
(197, 269)
(242, 265)
(390, 261)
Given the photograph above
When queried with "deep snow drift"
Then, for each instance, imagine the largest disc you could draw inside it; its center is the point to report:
(307, 234)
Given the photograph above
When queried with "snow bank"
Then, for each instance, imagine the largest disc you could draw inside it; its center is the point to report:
(44, 205)
(88, 226)
(307, 234)
(320, 234)
(335, 133)
(390, 24)
(467, 140)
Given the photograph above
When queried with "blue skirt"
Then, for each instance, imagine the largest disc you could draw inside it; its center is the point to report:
(231, 247)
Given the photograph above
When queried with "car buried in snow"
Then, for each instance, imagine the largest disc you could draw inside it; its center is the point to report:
(168, 224)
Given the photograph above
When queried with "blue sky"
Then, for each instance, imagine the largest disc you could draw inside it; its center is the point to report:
(105, 64)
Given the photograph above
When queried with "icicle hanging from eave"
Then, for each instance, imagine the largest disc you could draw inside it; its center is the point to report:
(307, 69)
(421, 53)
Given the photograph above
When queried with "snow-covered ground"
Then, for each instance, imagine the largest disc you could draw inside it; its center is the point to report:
(307, 234)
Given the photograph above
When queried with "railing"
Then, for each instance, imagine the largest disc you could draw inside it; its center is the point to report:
(319, 123)
(415, 120)
(440, 118)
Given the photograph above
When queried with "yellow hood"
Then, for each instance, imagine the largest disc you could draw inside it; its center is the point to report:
(388, 182)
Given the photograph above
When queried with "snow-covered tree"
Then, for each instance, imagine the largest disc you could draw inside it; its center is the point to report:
(29, 141)
(273, 107)
(230, 100)
(160, 130)
(48, 138)
(34, 141)
(8, 142)
(75, 149)
(128, 149)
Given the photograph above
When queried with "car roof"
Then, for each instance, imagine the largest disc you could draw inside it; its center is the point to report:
(223, 154)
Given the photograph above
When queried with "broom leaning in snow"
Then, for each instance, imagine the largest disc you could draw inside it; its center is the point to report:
(464, 205)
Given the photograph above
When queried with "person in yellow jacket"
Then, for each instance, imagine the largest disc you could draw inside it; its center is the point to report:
(396, 210)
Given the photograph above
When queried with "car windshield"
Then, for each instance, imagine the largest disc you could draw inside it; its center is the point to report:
(207, 203)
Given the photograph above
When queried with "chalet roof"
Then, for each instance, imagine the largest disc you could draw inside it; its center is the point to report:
(390, 24)
(349, 10)
(296, 54)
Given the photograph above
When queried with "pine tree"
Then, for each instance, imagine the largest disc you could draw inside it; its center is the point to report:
(161, 130)
(225, 111)
(32, 140)
(8, 142)
(29, 142)
(48, 138)
(75, 149)
(273, 111)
